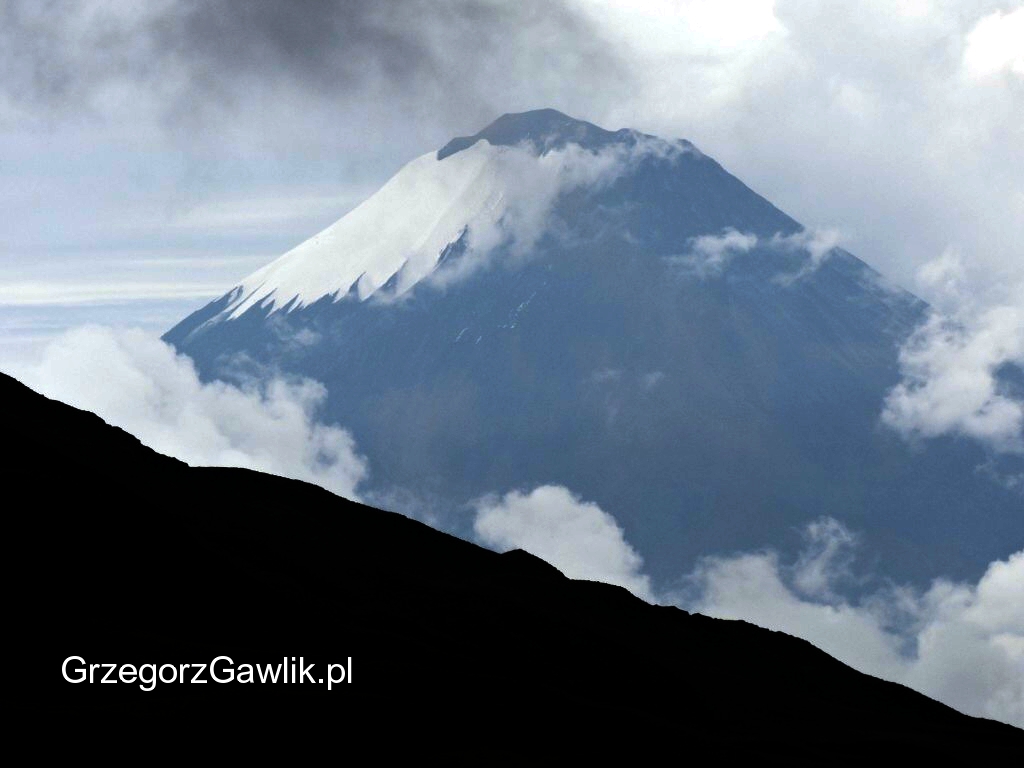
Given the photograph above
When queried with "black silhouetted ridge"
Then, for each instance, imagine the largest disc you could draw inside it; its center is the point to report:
(126, 556)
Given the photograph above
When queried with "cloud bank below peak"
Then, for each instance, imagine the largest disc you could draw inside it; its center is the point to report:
(134, 381)
(962, 644)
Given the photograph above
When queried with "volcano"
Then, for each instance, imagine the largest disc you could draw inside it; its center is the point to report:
(549, 302)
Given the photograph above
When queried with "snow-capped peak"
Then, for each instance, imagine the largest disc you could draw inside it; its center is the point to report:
(404, 227)
(543, 130)
(494, 186)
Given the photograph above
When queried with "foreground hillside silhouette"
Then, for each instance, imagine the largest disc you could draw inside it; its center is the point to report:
(126, 556)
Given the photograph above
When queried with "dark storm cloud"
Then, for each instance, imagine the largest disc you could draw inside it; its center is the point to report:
(322, 45)
(197, 60)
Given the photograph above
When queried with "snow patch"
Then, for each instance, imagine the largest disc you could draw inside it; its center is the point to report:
(404, 227)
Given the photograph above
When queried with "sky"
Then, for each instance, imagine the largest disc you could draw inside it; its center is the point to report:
(153, 155)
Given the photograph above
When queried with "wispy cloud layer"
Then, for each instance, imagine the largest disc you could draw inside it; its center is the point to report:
(709, 255)
(524, 208)
(27, 294)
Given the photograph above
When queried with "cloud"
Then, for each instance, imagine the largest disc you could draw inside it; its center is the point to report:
(950, 383)
(524, 208)
(962, 644)
(709, 255)
(200, 125)
(898, 121)
(826, 558)
(194, 65)
(955, 364)
(818, 244)
(859, 114)
(134, 381)
(64, 293)
(866, 115)
(862, 114)
(996, 44)
(575, 536)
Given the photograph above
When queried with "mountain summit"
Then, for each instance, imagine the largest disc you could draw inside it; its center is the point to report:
(548, 302)
(502, 187)
(543, 129)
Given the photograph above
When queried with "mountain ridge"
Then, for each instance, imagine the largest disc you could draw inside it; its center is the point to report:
(469, 186)
(544, 130)
(197, 570)
(656, 337)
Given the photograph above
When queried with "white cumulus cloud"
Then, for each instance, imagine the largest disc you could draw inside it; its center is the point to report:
(133, 380)
(577, 537)
(996, 44)
(959, 643)
(709, 254)
(951, 365)
(962, 644)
